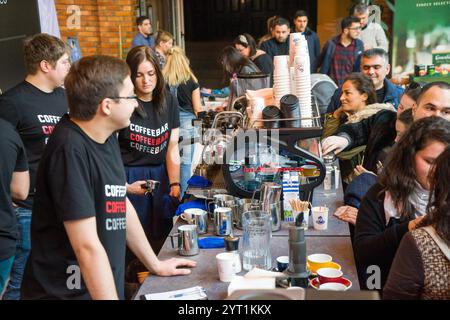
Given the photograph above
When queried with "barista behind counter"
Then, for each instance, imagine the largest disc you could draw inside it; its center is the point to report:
(149, 147)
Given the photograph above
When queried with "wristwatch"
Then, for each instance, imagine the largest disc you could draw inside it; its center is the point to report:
(174, 184)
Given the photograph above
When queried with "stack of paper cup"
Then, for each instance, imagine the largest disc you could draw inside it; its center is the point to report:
(294, 39)
(281, 78)
(303, 81)
(292, 79)
(257, 105)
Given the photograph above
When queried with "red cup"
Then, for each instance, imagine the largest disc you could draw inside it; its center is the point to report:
(330, 275)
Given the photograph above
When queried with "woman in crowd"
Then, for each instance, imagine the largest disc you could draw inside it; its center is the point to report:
(246, 45)
(421, 268)
(357, 134)
(403, 123)
(149, 146)
(358, 101)
(163, 43)
(234, 64)
(409, 97)
(397, 202)
(184, 86)
(269, 35)
(366, 178)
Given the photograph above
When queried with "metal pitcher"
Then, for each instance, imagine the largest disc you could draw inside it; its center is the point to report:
(245, 205)
(275, 215)
(271, 202)
(224, 201)
(200, 219)
(223, 221)
(187, 240)
(270, 193)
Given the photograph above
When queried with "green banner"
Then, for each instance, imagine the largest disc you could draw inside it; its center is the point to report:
(421, 36)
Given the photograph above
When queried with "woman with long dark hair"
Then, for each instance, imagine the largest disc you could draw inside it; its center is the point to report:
(398, 201)
(421, 268)
(246, 45)
(358, 103)
(234, 64)
(149, 146)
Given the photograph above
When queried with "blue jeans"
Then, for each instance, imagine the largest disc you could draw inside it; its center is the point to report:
(5, 269)
(187, 150)
(22, 252)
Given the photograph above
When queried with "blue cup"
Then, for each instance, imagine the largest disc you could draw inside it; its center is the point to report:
(282, 263)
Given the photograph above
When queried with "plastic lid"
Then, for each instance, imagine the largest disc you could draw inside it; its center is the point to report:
(289, 100)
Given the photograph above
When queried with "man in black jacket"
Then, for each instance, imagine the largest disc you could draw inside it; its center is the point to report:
(301, 25)
(279, 44)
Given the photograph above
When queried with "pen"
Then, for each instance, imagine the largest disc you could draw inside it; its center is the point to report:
(179, 295)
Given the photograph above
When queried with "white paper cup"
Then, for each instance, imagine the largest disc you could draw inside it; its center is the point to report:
(280, 60)
(226, 266)
(320, 217)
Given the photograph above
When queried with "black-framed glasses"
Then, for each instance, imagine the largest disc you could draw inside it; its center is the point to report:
(414, 85)
(127, 98)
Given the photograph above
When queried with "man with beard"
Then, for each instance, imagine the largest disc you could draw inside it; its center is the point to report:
(279, 44)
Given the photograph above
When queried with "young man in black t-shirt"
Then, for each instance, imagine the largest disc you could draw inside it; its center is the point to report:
(14, 183)
(82, 219)
(34, 107)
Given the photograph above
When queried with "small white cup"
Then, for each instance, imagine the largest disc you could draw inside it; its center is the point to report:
(187, 215)
(226, 266)
(320, 218)
(332, 286)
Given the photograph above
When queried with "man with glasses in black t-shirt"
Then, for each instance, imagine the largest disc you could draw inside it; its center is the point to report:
(82, 219)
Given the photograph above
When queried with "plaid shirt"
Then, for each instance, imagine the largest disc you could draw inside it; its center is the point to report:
(161, 59)
(342, 62)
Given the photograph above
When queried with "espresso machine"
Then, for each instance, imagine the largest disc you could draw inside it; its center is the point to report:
(250, 155)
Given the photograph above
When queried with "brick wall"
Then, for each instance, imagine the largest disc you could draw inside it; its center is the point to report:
(99, 25)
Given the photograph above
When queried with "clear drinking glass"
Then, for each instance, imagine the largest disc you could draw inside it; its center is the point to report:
(256, 240)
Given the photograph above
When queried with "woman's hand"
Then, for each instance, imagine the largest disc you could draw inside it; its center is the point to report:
(334, 144)
(175, 191)
(347, 214)
(338, 113)
(172, 266)
(136, 189)
(360, 170)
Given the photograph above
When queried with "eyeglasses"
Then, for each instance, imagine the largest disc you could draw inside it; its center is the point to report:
(414, 85)
(128, 98)
(355, 28)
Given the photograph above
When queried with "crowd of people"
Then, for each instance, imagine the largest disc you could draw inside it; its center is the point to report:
(81, 140)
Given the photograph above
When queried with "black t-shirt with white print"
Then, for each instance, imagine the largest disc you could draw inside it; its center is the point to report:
(34, 114)
(146, 140)
(78, 178)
